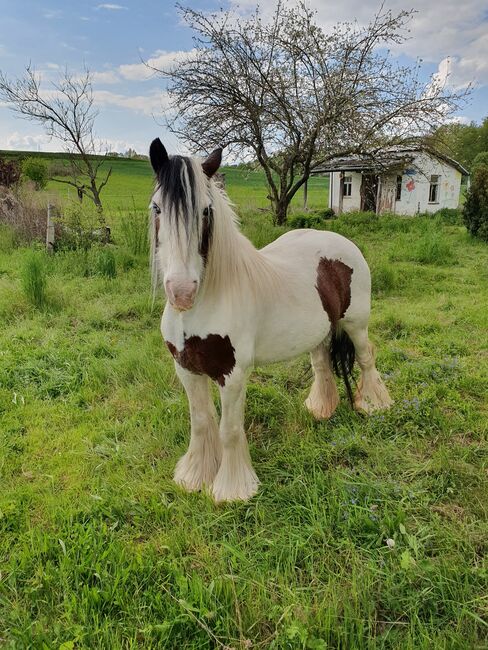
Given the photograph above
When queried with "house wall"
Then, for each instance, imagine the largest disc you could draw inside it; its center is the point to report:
(415, 188)
(349, 203)
(416, 183)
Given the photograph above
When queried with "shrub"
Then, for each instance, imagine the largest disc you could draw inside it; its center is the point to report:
(36, 170)
(328, 213)
(475, 212)
(33, 279)
(9, 172)
(81, 226)
(105, 263)
(480, 159)
(449, 216)
(305, 220)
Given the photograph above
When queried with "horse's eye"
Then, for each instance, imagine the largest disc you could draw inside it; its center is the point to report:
(156, 208)
(208, 211)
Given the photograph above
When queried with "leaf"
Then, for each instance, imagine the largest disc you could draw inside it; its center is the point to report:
(403, 530)
(406, 560)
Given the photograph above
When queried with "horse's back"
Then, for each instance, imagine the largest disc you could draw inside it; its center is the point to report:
(306, 247)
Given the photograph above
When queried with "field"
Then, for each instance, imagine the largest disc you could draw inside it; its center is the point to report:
(99, 549)
(131, 183)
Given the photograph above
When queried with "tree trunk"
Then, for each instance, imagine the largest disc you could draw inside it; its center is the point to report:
(281, 210)
(305, 195)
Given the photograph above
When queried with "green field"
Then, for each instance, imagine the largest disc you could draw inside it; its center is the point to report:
(99, 549)
(131, 185)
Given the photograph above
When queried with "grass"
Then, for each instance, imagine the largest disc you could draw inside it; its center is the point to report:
(99, 549)
(131, 184)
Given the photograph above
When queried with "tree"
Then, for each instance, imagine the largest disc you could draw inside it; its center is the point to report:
(463, 142)
(475, 211)
(291, 97)
(9, 172)
(36, 170)
(67, 114)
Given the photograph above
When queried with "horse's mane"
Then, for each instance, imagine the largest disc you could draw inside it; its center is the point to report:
(233, 267)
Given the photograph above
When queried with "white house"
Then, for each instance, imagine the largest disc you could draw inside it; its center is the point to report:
(401, 180)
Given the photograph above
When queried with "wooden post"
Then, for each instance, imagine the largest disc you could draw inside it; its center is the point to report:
(378, 195)
(341, 192)
(305, 195)
(50, 230)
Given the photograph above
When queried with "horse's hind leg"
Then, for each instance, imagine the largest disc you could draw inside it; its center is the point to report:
(372, 394)
(200, 464)
(323, 398)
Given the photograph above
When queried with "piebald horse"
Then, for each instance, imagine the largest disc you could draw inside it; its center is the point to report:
(230, 306)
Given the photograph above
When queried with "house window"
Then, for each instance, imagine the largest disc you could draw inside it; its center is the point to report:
(398, 196)
(347, 186)
(434, 189)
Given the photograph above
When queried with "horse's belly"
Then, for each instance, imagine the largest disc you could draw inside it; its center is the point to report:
(285, 334)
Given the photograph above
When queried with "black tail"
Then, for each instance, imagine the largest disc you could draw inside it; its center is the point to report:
(342, 354)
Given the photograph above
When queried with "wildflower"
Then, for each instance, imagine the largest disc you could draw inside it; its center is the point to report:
(390, 542)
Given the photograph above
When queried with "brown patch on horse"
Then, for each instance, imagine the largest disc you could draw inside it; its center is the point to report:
(334, 288)
(212, 356)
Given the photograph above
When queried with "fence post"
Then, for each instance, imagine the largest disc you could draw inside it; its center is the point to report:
(50, 230)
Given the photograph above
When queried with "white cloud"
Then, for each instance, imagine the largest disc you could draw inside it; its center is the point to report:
(111, 7)
(153, 103)
(161, 60)
(52, 13)
(22, 142)
(105, 77)
(438, 30)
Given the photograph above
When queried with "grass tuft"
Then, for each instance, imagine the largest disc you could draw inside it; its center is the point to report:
(33, 278)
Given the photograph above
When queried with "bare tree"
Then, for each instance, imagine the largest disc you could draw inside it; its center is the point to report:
(67, 114)
(287, 94)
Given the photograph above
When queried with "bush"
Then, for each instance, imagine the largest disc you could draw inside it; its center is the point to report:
(449, 216)
(33, 279)
(36, 170)
(9, 172)
(81, 225)
(305, 220)
(328, 213)
(475, 212)
(480, 159)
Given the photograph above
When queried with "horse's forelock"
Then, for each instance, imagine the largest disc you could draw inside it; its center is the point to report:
(179, 192)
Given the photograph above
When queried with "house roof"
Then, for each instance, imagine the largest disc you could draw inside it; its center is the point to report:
(390, 158)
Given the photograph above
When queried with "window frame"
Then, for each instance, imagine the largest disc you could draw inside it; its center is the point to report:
(434, 188)
(399, 184)
(347, 185)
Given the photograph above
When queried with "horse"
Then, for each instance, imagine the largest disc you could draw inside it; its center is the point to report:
(230, 307)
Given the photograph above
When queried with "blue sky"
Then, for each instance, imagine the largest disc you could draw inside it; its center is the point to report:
(111, 39)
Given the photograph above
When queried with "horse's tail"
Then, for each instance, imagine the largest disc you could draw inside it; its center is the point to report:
(342, 354)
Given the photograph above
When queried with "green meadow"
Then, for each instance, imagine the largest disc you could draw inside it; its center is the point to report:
(366, 533)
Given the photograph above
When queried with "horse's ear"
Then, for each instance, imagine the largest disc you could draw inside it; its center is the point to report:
(158, 155)
(212, 163)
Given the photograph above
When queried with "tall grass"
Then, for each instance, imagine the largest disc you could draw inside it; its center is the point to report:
(432, 248)
(33, 278)
(133, 227)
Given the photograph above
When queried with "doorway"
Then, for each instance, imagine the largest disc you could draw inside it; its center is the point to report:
(369, 192)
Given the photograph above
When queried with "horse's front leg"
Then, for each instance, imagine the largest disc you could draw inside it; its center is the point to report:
(199, 465)
(236, 479)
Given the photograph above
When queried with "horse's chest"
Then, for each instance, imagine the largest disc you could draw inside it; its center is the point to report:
(212, 356)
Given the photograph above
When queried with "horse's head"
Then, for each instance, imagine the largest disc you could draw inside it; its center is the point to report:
(182, 217)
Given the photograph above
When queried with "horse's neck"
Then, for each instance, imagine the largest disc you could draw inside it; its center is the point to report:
(236, 268)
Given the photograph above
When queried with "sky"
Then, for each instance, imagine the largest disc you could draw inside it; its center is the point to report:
(113, 39)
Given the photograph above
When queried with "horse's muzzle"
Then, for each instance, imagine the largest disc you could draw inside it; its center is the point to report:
(181, 295)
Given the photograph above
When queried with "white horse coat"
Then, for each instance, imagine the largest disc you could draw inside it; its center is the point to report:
(231, 307)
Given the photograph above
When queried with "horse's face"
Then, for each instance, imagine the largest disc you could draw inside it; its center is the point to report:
(182, 222)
